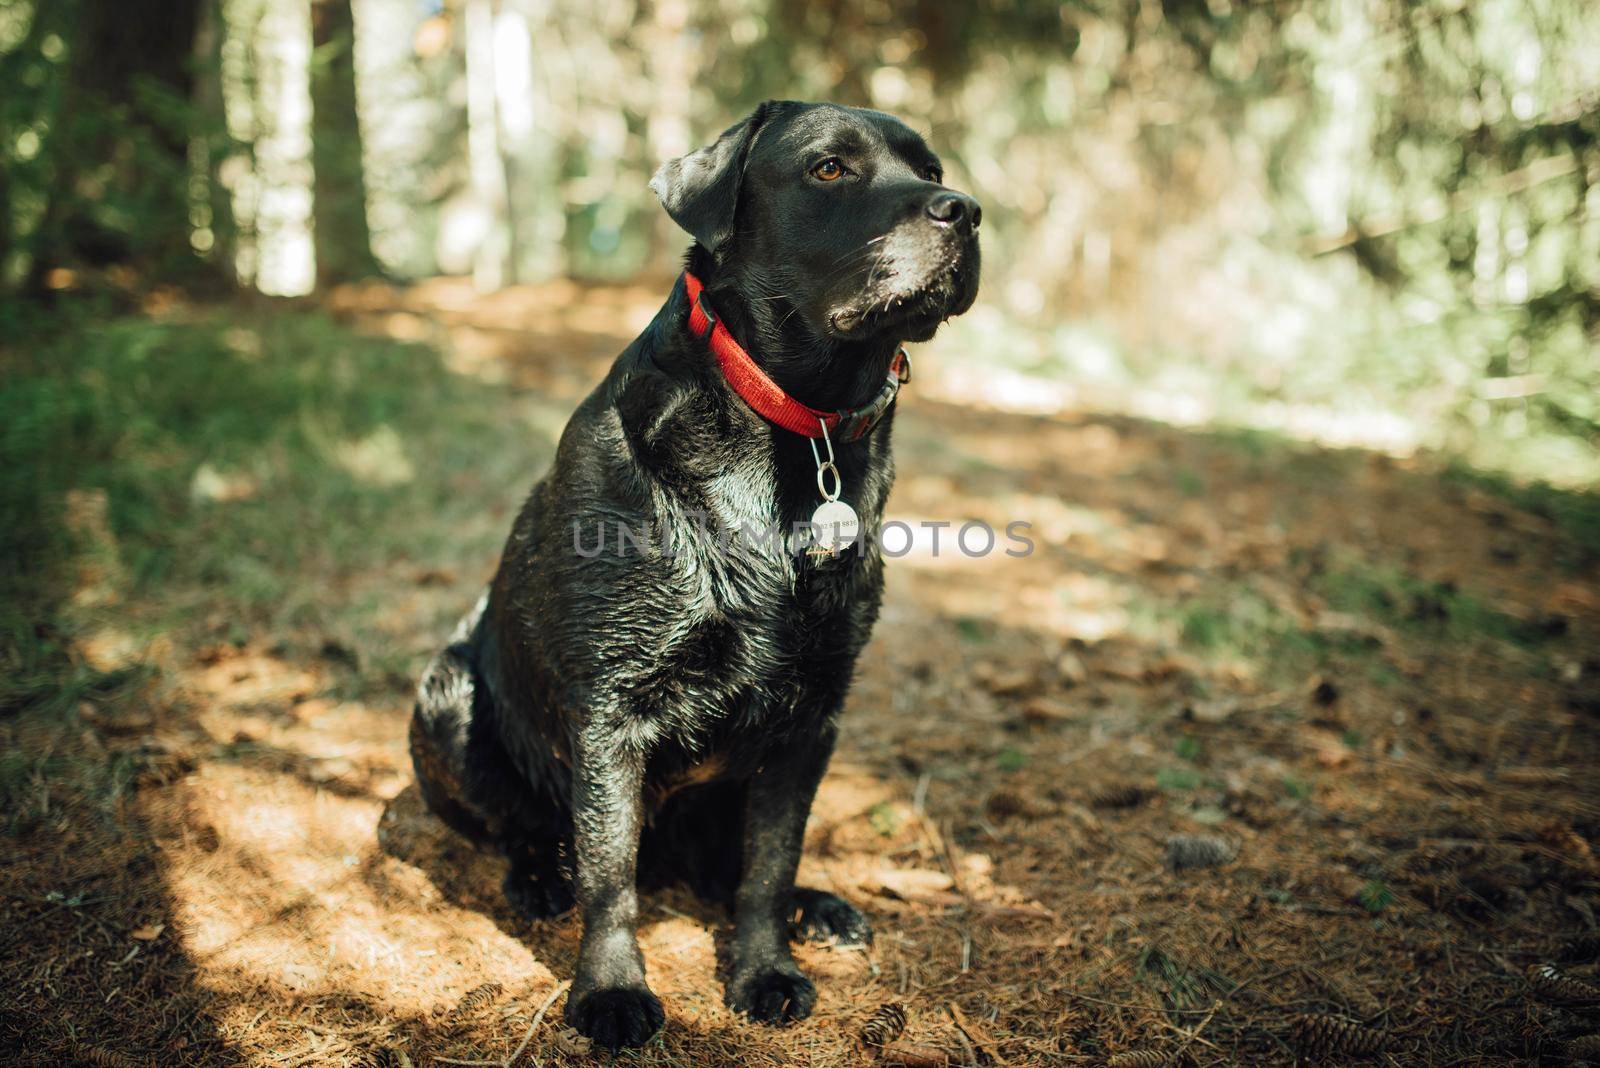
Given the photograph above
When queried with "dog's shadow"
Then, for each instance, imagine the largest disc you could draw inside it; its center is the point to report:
(687, 941)
(470, 876)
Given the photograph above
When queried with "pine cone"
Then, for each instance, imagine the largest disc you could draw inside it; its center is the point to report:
(105, 1057)
(475, 999)
(1197, 851)
(1138, 1058)
(1120, 795)
(1005, 803)
(1324, 1035)
(388, 1057)
(1552, 984)
(885, 1025)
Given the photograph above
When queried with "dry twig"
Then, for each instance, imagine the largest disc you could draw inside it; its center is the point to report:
(533, 1025)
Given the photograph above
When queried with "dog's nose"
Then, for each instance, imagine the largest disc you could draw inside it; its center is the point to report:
(950, 208)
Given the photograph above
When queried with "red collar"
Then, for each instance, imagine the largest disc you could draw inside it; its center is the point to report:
(768, 398)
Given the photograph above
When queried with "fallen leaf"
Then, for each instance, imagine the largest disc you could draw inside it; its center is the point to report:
(1044, 710)
(1214, 710)
(1070, 665)
(1017, 912)
(1007, 682)
(1122, 667)
(910, 883)
(1333, 756)
(434, 576)
(147, 933)
(573, 1042)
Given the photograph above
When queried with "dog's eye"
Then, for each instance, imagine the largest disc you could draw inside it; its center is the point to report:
(829, 170)
(934, 174)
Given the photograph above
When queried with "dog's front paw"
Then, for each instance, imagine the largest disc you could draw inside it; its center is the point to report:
(618, 1017)
(772, 995)
(825, 917)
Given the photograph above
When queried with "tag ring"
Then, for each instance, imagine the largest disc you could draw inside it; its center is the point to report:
(824, 470)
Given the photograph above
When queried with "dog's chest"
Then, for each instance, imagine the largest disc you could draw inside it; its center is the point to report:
(749, 623)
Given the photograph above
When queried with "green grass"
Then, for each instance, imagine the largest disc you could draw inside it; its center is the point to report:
(1177, 780)
(1010, 759)
(1389, 595)
(1188, 481)
(1575, 512)
(1231, 621)
(973, 629)
(231, 468)
(884, 819)
(1375, 897)
(29, 781)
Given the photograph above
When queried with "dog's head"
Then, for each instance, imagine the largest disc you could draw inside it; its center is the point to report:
(841, 212)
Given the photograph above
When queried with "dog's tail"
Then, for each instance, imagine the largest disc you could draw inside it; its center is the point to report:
(441, 727)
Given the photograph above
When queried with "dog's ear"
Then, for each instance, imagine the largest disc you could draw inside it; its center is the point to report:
(701, 190)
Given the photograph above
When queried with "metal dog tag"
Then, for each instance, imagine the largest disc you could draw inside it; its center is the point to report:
(835, 525)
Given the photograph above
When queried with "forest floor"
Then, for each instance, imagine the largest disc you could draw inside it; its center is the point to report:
(1367, 689)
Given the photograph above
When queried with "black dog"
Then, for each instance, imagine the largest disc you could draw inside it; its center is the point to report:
(638, 695)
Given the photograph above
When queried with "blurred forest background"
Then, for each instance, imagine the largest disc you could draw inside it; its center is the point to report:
(1363, 221)
(1286, 349)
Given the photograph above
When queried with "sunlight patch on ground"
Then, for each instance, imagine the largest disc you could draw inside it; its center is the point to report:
(379, 458)
(111, 648)
(479, 354)
(231, 678)
(288, 896)
(285, 882)
(967, 380)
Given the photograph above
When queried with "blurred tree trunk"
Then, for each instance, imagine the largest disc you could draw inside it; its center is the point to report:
(492, 266)
(118, 150)
(339, 221)
(276, 199)
(211, 206)
(535, 209)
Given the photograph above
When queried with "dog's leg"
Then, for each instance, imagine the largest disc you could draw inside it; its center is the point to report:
(609, 1002)
(441, 732)
(535, 884)
(764, 981)
(698, 837)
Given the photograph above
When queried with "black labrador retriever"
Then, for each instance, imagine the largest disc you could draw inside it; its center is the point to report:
(649, 690)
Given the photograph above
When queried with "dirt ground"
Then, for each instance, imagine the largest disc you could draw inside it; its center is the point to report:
(1369, 694)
